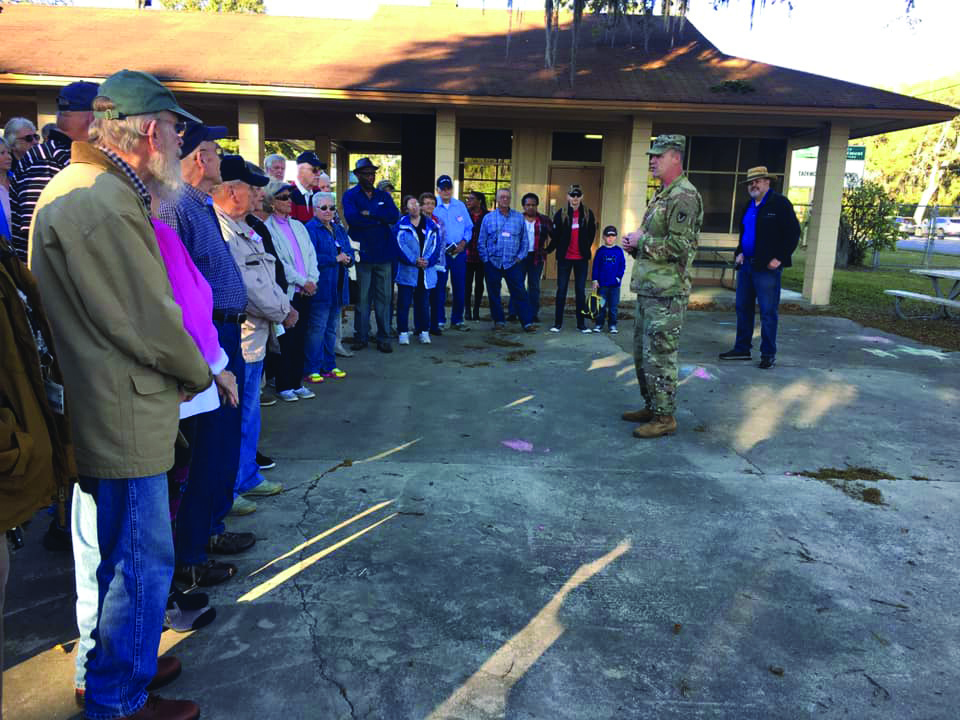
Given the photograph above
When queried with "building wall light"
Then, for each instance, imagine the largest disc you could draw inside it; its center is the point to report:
(363, 118)
(593, 137)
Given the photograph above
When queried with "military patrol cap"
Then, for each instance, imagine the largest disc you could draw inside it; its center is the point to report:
(138, 93)
(662, 143)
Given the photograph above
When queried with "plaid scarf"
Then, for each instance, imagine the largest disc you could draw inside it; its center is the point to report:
(128, 171)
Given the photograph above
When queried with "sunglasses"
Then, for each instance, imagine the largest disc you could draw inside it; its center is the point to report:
(34, 136)
(576, 194)
(281, 197)
(325, 207)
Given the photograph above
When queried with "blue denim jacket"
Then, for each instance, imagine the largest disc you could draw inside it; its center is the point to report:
(409, 244)
(326, 245)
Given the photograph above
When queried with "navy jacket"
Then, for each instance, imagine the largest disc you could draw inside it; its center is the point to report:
(609, 264)
(373, 231)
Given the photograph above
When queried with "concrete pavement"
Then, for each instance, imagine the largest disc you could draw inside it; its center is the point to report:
(509, 550)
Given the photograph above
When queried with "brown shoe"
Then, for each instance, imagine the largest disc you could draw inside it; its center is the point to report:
(659, 426)
(168, 670)
(638, 416)
(159, 709)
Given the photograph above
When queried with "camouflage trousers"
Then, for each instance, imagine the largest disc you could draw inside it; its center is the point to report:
(656, 344)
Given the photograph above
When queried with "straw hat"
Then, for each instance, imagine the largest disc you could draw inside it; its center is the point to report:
(755, 173)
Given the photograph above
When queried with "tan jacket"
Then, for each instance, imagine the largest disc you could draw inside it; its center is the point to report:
(266, 302)
(118, 331)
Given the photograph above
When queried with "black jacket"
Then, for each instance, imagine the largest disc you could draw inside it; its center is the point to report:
(560, 234)
(777, 231)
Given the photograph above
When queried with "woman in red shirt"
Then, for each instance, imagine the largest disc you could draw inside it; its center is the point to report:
(574, 230)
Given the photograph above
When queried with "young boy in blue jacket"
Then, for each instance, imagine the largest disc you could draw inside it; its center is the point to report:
(609, 265)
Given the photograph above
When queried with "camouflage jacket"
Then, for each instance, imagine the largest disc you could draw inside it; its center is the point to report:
(665, 252)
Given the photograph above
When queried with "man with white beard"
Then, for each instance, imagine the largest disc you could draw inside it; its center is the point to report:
(128, 363)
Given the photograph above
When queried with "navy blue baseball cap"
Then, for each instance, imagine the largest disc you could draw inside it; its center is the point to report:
(77, 96)
(197, 133)
(444, 182)
(234, 167)
(310, 157)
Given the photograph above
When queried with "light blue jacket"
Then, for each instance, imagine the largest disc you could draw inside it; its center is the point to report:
(455, 222)
(408, 243)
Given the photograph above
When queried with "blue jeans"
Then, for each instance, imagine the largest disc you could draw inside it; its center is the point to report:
(514, 277)
(757, 287)
(420, 297)
(321, 341)
(438, 300)
(579, 268)
(248, 472)
(531, 277)
(208, 495)
(611, 296)
(133, 579)
(457, 269)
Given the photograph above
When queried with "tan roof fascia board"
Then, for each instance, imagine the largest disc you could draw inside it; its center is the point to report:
(438, 99)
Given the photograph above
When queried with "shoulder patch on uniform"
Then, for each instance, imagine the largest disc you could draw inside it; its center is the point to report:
(681, 216)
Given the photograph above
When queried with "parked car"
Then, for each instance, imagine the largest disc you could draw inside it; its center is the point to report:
(905, 226)
(943, 227)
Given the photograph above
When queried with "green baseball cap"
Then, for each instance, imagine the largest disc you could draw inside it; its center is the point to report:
(662, 143)
(138, 93)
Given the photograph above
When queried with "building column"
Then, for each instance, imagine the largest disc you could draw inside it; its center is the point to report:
(321, 146)
(635, 179)
(250, 130)
(825, 214)
(445, 158)
(46, 107)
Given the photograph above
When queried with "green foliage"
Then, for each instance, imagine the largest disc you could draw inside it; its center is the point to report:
(902, 161)
(234, 6)
(868, 213)
(740, 87)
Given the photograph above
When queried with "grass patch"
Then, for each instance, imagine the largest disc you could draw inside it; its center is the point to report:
(857, 295)
(849, 481)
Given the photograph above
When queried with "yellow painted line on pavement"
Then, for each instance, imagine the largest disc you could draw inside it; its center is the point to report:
(521, 401)
(299, 567)
(382, 455)
(321, 536)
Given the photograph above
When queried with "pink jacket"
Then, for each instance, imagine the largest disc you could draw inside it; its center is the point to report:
(192, 293)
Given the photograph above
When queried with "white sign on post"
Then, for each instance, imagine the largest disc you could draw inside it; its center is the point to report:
(803, 166)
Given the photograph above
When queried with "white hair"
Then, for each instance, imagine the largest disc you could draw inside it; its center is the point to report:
(15, 125)
(319, 197)
(271, 159)
(121, 135)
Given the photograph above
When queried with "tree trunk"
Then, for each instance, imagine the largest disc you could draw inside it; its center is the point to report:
(548, 26)
(575, 38)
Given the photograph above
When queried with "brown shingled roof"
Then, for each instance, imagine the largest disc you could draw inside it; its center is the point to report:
(457, 52)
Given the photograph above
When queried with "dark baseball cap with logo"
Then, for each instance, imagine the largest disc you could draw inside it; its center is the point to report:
(610, 230)
(311, 158)
(77, 96)
(138, 93)
(444, 182)
(234, 167)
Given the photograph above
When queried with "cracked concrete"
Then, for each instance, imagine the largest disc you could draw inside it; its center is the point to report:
(743, 589)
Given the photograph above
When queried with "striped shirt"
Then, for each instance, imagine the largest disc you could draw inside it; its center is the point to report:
(195, 221)
(30, 177)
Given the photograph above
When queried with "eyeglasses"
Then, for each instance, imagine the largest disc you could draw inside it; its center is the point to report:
(281, 197)
(576, 194)
(325, 207)
(32, 137)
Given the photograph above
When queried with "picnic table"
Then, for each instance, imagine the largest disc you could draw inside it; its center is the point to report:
(718, 256)
(946, 301)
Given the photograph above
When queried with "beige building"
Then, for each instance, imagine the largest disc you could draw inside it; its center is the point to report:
(465, 92)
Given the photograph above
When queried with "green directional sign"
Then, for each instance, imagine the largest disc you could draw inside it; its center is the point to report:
(856, 152)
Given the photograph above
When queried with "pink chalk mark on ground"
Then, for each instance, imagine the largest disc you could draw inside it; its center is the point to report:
(875, 339)
(703, 374)
(518, 445)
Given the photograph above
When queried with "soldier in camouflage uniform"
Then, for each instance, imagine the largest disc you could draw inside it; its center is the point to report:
(664, 248)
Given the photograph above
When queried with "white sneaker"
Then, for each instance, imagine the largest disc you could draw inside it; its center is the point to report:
(287, 396)
(554, 329)
(304, 394)
(425, 338)
(613, 330)
(403, 338)
(586, 331)
(598, 329)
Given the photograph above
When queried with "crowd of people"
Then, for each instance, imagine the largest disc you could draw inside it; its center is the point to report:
(170, 285)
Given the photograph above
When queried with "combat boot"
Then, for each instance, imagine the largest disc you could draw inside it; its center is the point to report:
(659, 426)
(639, 416)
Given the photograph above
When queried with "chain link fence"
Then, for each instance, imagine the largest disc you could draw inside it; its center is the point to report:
(932, 242)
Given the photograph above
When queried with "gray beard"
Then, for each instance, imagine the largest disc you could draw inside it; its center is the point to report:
(166, 181)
